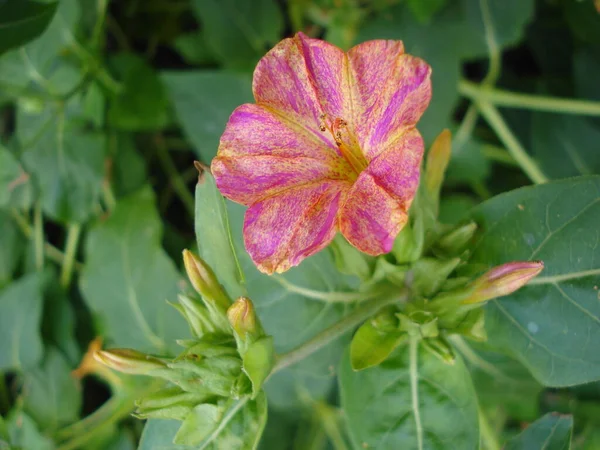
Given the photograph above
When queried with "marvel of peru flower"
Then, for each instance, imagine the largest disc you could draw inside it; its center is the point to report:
(330, 145)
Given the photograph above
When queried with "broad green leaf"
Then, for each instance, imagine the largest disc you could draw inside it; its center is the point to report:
(502, 383)
(15, 184)
(24, 433)
(128, 278)
(240, 428)
(294, 307)
(371, 346)
(565, 145)
(411, 401)
(36, 62)
(11, 243)
(425, 9)
(59, 321)
(20, 316)
(129, 168)
(194, 48)
(66, 161)
(51, 395)
(551, 324)
(142, 104)
(22, 21)
(214, 236)
(551, 432)
(203, 101)
(239, 32)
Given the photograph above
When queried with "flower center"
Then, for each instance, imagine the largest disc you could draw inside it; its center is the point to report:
(345, 141)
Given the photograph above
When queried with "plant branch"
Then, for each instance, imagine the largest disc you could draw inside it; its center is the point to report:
(500, 97)
(38, 236)
(73, 234)
(508, 139)
(355, 318)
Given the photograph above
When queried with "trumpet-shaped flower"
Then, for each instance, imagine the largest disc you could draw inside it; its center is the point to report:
(330, 145)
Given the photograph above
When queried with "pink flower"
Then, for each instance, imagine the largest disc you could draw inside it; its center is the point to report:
(330, 145)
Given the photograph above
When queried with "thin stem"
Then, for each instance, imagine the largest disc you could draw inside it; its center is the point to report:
(495, 120)
(178, 184)
(73, 234)
(413, 347)
(338, 329)
(488, 435)
(500, 97)
(498, 154)
(38, 236)
(326, 296)
(493, 47)
(331, 423)
(99, 25)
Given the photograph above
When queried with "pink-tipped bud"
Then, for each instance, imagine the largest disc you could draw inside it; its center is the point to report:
(129, 361)
(204, 281)
(504, 280)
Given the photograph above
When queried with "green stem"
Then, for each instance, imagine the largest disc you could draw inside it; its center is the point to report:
(508, 139)
(38, 236)
(355, 318)
(510, 99)
(498, 154)
(413, 350)
(331, 423)
(73, 234)
(99, 25)
(488, 435)
(177, 182)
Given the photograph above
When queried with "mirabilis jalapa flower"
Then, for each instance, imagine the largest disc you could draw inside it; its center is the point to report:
(330, 145)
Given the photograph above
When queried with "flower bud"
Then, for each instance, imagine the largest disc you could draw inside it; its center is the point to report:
(437, 162)
(455, 242)
(243, 320)
(440, 348)
(204, 281)
(129, 361)
(197, 316)
(168, 403)
(503, 280)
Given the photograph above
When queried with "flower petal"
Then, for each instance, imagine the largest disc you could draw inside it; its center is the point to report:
(391, 90)
(377, 206)
(281, 231)
(260, 155)
(303, 78)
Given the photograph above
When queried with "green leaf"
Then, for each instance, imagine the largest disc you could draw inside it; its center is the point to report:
(194, 48)
(467, 164)
(239, 32)
(20, 316)
(454, 207)
(550, 324)
(24, 433)
(11, 243)
(240, 428)
(128, 278)
(551, 432)
(51, 395)
(36, 62)
(565, 145)
(66, 161)
(203, 101)
(425, 9)
(584, 20)
(142, 104)
(199, 424)
(15, 184)
(293, 308)
(411, 401)
(130, 172)
(371, 346)
(258, 362)
(22, 21)
(214, 237)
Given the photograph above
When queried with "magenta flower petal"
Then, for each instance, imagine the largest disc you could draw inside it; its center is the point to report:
(393, 91)
(282, 230)
(260, 155)
(377, 206)
(330, 145)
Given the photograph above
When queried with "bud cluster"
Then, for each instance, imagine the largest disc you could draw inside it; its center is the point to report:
(426, 258)
(228, 358)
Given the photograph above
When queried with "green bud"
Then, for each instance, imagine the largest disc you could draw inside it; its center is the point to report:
(430, 274)
(408, 245)
(205, 282)
(455, 242)
(421, 324)
(471, 325)
(212, 375)
(168, 403)
(243, 320)
(197, 316)
(129, 361)
(437, 163)
(440, 348)
(258, 361)
(503, 280)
